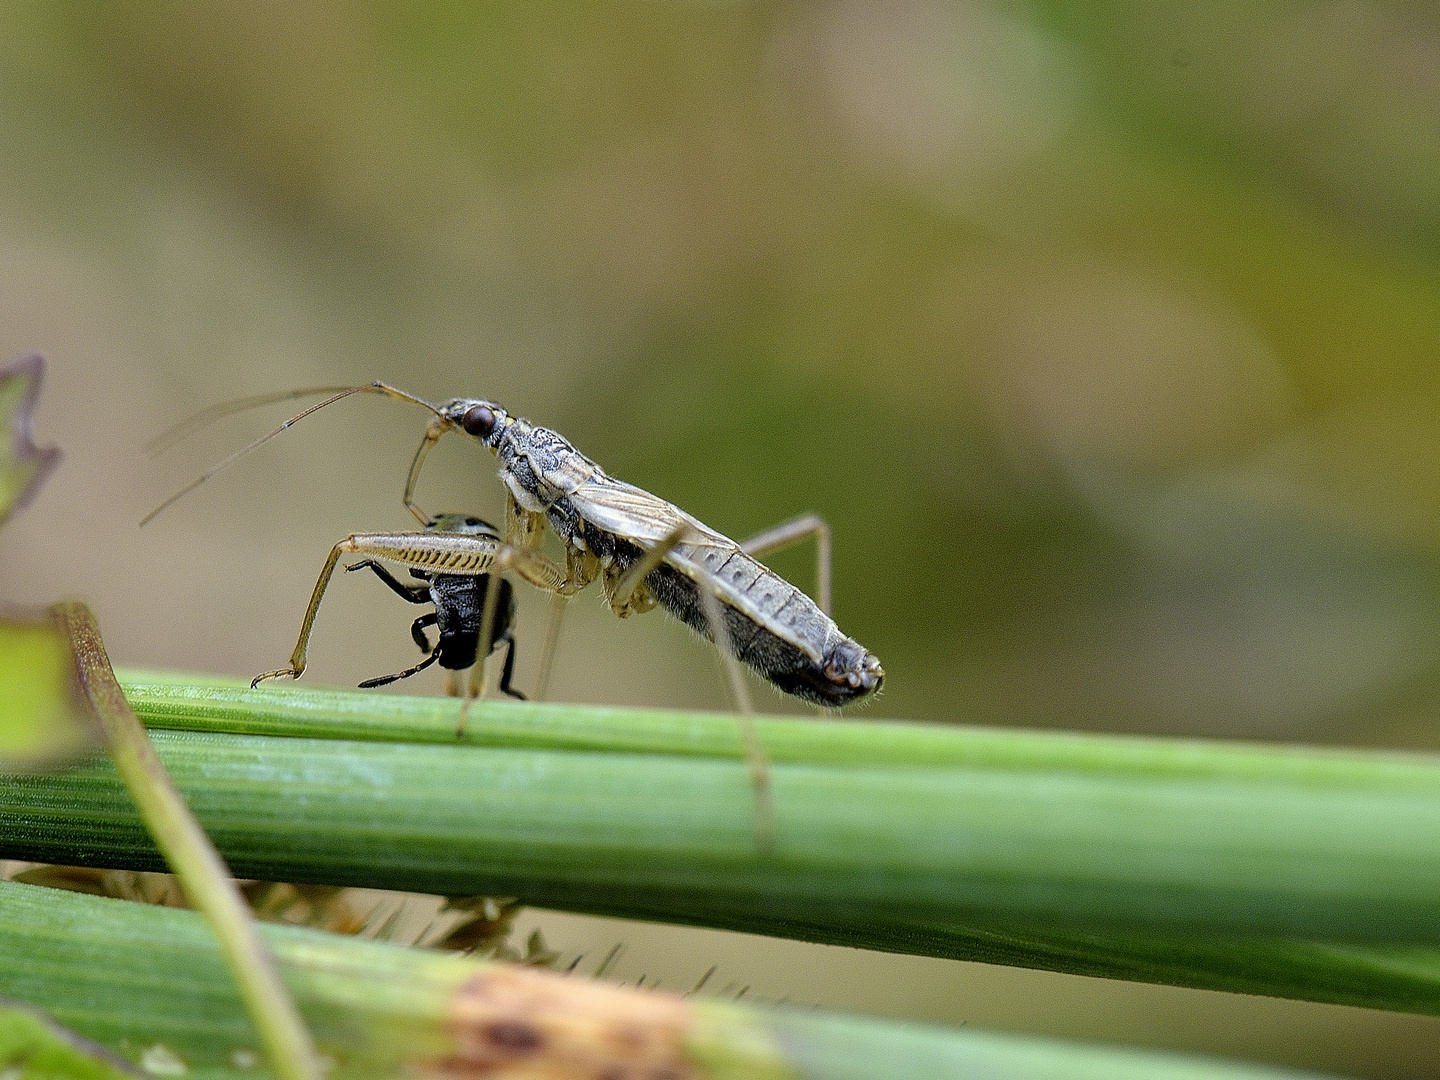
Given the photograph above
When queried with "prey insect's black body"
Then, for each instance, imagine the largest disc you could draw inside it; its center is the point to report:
(459, 601)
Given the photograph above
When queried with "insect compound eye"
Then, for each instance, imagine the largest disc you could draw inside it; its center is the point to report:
(479, 420)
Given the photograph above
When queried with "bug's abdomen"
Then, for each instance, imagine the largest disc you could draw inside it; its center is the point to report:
(844, 671)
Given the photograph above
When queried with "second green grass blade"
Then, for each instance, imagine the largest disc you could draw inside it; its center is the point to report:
(134, 976)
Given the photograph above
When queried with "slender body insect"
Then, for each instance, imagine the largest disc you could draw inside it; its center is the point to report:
(648, 551)
(644, 549)
(459, 604)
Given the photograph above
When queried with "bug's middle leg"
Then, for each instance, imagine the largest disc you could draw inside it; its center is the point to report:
(626, 590)
(524, 531)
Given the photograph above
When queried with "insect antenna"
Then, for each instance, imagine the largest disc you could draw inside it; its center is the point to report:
(207, 416)
(225, 408)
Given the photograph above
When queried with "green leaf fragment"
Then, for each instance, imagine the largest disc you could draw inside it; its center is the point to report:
(35, 1047)
(41, 721)
(23, 465)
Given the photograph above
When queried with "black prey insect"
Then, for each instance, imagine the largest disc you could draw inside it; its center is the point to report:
(459, 604)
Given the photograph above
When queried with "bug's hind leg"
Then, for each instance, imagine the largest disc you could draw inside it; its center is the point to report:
(386, 680)
(755, 755)
(792, 532)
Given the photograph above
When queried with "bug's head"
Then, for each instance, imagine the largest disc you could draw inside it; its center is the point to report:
(483, 419)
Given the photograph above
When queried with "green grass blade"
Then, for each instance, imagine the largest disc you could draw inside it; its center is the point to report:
(134, 976)
(198, 703)
(1303, 873)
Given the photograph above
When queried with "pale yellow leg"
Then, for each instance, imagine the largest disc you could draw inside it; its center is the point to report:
(624, 590)
(792, 532)
(525, 531)
(296, 667)
(553, 620)
(755, 755)
(432, 435)
(437, 552)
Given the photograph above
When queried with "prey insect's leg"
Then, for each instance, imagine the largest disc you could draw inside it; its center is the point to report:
(508, 671)
(415, 594)
(417, 629)
(437, 552)
(386, 680)
(792, 532)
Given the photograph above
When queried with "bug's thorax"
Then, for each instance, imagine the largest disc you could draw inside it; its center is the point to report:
(540, 466)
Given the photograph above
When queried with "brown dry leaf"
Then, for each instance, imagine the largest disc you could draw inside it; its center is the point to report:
(525, 1024)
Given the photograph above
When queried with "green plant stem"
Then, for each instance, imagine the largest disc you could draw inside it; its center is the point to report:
(206, 703)
(189, 853)
(1273, 870)
(130, 974)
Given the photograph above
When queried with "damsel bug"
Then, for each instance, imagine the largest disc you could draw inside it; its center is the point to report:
(645, 550)
(460, 602)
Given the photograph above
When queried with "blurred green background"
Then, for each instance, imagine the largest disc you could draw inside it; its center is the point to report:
(1105, 334)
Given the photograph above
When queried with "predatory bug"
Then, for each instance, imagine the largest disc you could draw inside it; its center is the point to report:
(646, 552)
